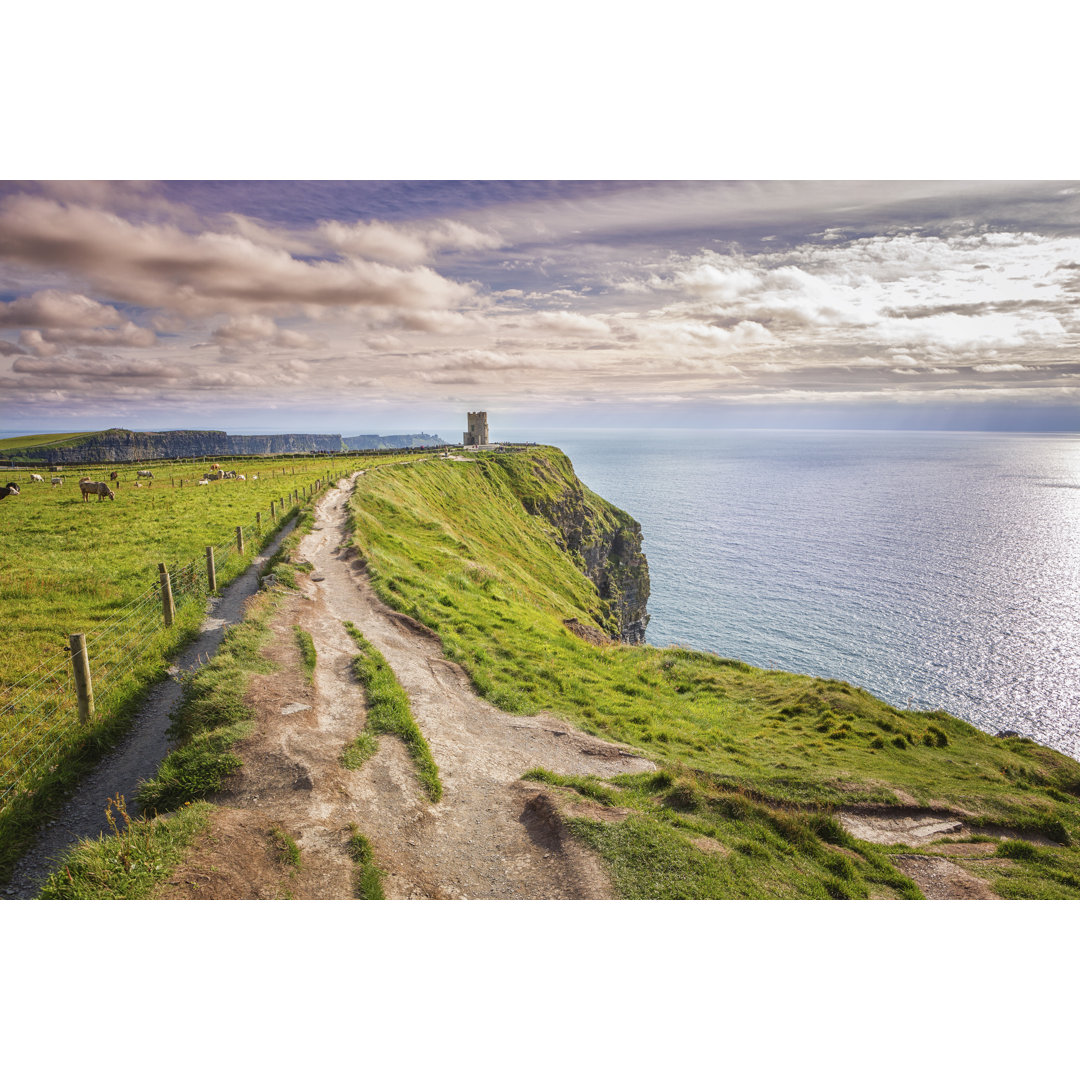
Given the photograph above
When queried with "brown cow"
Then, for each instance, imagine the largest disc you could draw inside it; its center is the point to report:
(99, 488)
(114, 476)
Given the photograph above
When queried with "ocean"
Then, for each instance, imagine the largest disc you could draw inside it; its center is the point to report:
(937, 570)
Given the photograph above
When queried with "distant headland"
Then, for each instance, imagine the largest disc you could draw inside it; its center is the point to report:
(120, 444)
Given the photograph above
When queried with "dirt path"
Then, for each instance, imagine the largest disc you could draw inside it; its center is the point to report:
(140, 752)
(491, 836)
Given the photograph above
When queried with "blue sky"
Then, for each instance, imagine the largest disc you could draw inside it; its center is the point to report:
(387, 305)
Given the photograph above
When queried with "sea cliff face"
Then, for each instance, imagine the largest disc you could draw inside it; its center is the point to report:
(121, 445)
(604, 540)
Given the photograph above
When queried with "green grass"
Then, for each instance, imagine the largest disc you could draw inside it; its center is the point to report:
(456, 546)
(24, 442)
(212, 716)
(285, 849)
(389, 713)
(128, 864)
(308, 657)
(367, 883)
(764, 853)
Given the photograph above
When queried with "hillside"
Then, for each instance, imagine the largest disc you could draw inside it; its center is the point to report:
(117, 445)
(592, 767)
(773, 784)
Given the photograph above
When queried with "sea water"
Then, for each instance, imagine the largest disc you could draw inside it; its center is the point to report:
(937, 570)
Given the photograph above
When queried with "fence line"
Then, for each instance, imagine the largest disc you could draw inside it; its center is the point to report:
(37, 732)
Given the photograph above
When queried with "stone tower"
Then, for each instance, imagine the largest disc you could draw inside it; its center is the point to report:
(477, 435)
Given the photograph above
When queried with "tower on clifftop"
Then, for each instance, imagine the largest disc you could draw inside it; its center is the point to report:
(477, 435)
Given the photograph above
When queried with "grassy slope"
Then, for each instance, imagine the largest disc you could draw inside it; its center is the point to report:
(753, 756)
(23, 442)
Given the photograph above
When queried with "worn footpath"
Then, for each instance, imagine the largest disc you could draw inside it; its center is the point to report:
(491, 836)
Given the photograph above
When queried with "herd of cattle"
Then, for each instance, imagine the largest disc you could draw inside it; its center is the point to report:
(102, 490)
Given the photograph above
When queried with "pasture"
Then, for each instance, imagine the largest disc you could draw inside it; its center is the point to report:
(69, 566)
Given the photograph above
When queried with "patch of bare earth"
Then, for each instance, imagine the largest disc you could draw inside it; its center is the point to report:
(916, 827)
(491, 836)
(940, 879)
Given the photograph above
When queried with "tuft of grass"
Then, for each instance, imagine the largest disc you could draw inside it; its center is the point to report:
(128, 864)
(212, 717)
(1021, 849)
(368, 881)
(389, 713)
(308, 657)
(286, 850)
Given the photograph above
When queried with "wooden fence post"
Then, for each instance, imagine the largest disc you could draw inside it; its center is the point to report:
(168, 609)
(258, 520)
(273, 511)
(181, 481)
(84, 689)
(240, 539)
(211, 569)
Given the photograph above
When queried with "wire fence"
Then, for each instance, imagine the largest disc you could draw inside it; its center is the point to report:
(39, 713)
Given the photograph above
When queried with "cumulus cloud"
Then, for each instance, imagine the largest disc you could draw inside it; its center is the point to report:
(569, 322)
(57, 309)
(112, 368)
(160, 265)
(408, 244)
(251, 330)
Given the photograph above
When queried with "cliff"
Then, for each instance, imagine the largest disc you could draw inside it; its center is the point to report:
(603, 540)
(391, 442)
(121, 445)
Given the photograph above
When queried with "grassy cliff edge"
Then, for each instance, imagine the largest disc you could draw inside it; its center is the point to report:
(527, 577)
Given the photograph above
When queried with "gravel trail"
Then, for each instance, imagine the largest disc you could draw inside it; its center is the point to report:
(140, 752)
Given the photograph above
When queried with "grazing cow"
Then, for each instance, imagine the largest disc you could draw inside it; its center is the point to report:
(241, 477)
(99, 488)
(35, 478)
(57, 481)
(213, 475)
(9, 489)
(114, 476)
(215, 467)
(230, 475)
(147, 473)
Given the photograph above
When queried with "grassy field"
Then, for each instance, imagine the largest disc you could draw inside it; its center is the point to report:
(24, 442)
(755, 760)
(72, 567)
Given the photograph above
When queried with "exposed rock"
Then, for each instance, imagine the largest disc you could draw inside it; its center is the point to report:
(120, 445)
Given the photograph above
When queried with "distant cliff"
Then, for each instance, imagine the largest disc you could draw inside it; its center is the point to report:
(121, 445)
(390, 442)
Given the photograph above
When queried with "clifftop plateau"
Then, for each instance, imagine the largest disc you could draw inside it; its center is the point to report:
(121, 445)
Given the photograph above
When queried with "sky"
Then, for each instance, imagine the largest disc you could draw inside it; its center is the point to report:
(396, 306)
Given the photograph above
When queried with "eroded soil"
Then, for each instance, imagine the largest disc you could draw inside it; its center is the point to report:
(491, 836)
